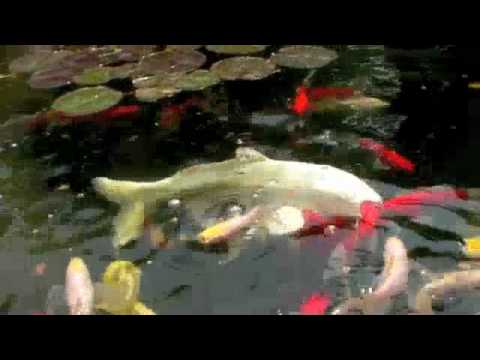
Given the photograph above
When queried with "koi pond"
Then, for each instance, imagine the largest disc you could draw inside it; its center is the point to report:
(239, 179)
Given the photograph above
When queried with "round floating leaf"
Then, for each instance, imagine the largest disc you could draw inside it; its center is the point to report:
(173, 61)
(304, 57)
(244, 68)
(30, 63)
(154, 94)
(52, 77)
(87, 101)
(123, 71)
(138, 51)
(81, 60)
(236, 49)
(161, 80)
(198, 80)
(184, 47)
(95, 76)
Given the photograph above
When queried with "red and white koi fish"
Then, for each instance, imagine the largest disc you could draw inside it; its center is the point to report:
(394, 281)
(79, 289)
(388, 157)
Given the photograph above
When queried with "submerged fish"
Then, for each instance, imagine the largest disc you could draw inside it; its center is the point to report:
(364, 103)
(250, 176)
(387, 156)
(128, 112)
(446, 284)
(172, 115)
(393, 281)
(79, 289)
(305, 97)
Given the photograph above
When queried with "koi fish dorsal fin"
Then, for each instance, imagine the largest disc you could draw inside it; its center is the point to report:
(249, 155)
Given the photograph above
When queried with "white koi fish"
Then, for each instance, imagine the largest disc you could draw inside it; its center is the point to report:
(279, 183)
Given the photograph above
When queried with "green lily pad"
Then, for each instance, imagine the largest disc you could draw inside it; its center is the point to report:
(304, 57)
(161, 80)
(184, 47)
(87, 101)
(198, 80)
(52, 77)
(138, 50)
(173, 61)
(244, 68)
(30, 63)
(236, 49)
(95, 76)
(151, 95)
(123, 71)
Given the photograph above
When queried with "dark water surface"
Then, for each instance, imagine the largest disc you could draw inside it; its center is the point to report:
(433, 120)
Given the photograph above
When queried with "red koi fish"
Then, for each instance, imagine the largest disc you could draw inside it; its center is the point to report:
(302, 102)
(316, 224)
(172, 115)
(316, 305)
(410, 204)
(404, 205)
(387, 156)
(371, 214)
(130, 112)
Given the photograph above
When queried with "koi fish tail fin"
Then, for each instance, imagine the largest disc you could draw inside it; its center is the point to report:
(134, 199)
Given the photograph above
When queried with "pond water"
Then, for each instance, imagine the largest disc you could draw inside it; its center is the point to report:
(49, 212)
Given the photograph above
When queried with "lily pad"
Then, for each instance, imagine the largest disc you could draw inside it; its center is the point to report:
(150, 95)
(112, 55)
(94, 76)
(123, 71)
(198, 80)
(304, 57)
(138, 51)
(87, 101)
(244, 68)
(236, 49)
(173, 61)
(184, 47)
(81, 60)
(52, 77)
(30, 63)
(161, 80)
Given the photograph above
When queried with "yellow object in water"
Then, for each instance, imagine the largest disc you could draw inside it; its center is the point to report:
(474, 86)
(214, 232)
(141, 309)
(124, 278)
(472, 247)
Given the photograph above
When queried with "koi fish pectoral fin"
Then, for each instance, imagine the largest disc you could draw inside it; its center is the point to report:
(129, 224)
